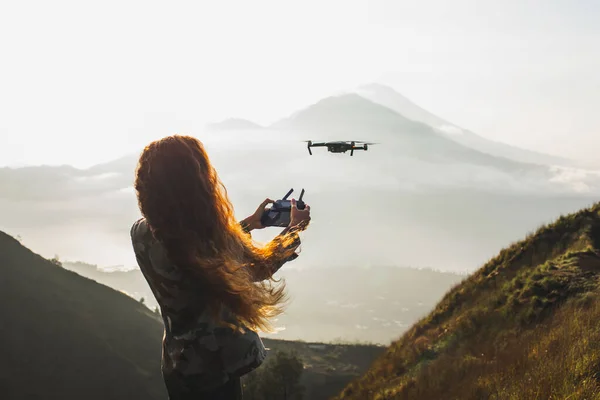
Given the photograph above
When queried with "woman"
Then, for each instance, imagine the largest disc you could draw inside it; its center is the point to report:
(214, 285)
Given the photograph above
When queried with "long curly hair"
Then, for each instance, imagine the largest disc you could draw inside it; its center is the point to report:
(187, 209)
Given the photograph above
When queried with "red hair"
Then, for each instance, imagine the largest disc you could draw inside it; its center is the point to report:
(187, 209)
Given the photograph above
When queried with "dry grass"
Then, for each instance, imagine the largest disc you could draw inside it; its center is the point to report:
(525, 326)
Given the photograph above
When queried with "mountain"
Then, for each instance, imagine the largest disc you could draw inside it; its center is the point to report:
(410, 152)
(233, 124)
(351, 112)
(67, 337)
(525, 325)
(350, 115)
(388, 97)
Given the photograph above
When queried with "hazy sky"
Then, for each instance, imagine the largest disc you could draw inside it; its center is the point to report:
(82, 82)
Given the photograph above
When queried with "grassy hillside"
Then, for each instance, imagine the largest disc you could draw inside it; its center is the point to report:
(74, 338)
(524, 326)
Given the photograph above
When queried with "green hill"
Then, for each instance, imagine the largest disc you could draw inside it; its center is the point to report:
(67, 337)
(524, 326)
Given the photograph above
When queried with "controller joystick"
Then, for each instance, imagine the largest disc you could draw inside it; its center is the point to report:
(280, 212)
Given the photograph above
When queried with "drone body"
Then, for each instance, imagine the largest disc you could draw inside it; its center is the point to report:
(340, 146)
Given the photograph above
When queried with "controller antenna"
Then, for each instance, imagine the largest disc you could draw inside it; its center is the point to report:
(301, 194)
(288, 193)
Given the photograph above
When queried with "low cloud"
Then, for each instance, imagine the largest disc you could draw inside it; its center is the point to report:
(576, 179)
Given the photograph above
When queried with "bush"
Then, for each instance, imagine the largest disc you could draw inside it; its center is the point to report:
(278, 378)
(56, 261)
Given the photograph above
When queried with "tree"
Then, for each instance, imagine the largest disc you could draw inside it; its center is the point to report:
(277, 379)
(56, 260)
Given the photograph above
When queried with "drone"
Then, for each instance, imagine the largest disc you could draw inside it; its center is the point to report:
(339, 147)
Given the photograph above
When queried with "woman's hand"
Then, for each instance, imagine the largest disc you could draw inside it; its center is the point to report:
(299, 218)
(253, 221)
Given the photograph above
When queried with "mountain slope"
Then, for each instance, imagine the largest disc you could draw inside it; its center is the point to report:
(350, 115)
(388, 97)
(67, 337)
(523, 326)
(351, 111)
(132, 282)
(71, 336)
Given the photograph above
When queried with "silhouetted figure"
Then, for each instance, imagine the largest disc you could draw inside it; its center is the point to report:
(213, 283)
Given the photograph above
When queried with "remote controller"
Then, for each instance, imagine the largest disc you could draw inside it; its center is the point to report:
(280, 212)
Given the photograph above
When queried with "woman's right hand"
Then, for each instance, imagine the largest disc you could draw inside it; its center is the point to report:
(298, 217)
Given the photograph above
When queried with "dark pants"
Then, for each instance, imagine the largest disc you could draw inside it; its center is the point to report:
(232, 390)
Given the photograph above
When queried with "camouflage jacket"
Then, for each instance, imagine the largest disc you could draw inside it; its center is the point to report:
(195, 351)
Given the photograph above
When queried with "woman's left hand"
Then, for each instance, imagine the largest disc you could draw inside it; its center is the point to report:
(253, 221)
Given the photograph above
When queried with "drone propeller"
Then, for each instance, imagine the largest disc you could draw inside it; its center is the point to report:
(358, 141)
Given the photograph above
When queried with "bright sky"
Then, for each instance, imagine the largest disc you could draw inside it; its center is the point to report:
(83, 82)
